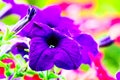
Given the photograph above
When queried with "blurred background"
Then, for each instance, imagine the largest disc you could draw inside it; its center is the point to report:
(100, 18)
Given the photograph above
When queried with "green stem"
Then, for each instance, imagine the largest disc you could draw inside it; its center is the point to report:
(45, 75)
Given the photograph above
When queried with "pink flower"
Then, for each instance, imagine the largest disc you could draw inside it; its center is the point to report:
(9, 61)
(2, 70)
(101, 72)
(34, 77)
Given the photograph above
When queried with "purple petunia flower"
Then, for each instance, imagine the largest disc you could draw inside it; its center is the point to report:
(19, 48)
(19, 9)
(118, 76)
(48, 47)
(49, 32)
(51, 17)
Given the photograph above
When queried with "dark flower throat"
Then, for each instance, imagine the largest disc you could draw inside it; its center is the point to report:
(52, 41)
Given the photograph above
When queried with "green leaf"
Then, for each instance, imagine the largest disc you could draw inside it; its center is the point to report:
(107, 7)
(38, 3)
(8, 72)
(17, 67)
(4, 56)
(20, 61)
(11, 35)
(8, 55)
(52, 75)
(2, 64)
(5, 34)
(1, 36)
(84, 67)
(30, 72)
(10, 20)
(112, 58)
(1, 4)
(8, 35)
(19, 71)
(18, 74)
(41, 75)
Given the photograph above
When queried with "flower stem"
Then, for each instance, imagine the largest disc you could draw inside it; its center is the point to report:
(45, 75)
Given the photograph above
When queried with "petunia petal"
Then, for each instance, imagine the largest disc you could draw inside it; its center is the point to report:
(72, 50)
(85, 56)
(52, 15)
(63, 60)
(35, 51)
(46, 60)
(54, 10)
(40, 30)
(67, 26)
(88, 46)
(20, 10)
(49, 16)
(35, 29)
(40, 57)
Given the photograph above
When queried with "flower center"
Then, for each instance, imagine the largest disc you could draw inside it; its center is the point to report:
(52, 41)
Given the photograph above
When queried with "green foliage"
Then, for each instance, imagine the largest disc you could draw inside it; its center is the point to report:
(8, 55)
(112, 58)
(39, 3)
(107, 7)
(20, 66)
(52, 76)
(10, 20)
(1, 4)
(8, 71)
(2, 64)
(8, 35)
(18, 74)
(84, 67)
(30, 72)
(41, 75)
(1, 36)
